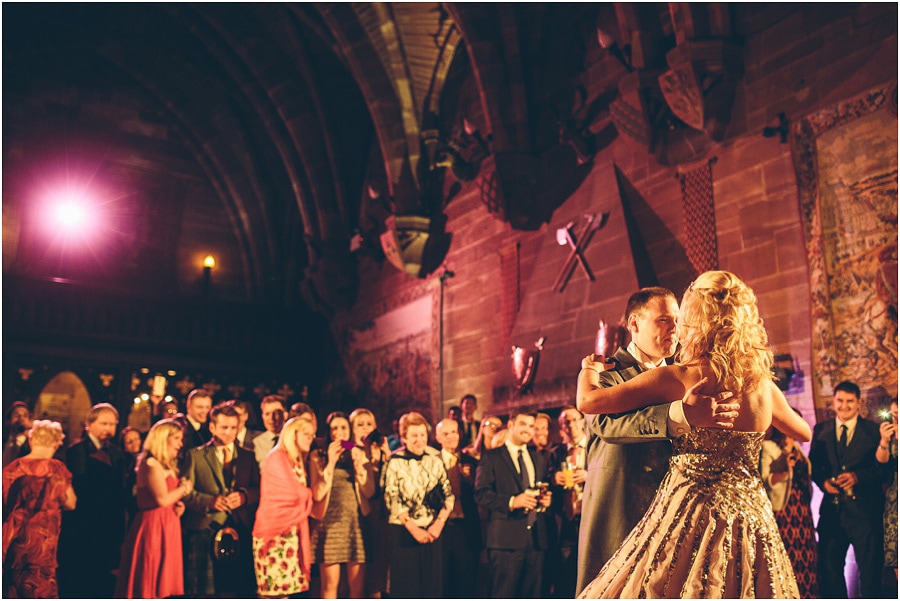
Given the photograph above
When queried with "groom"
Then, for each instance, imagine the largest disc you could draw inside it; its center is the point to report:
(628, 454)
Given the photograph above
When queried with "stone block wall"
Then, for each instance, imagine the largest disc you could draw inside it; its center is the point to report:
(794, 64)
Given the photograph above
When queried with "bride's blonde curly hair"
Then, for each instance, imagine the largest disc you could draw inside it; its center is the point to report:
(720, 324)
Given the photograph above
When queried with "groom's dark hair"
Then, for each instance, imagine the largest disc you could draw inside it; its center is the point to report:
(639, 300)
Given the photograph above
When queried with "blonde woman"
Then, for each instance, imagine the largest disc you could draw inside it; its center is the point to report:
(374, 444)
(281, 552)
(151, 555)
(710, 531)
(36, 488)
(490, 425)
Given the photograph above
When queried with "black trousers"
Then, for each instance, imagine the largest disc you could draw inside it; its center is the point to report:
(460, 560)
(868, 546)
(516, 573)
(416, 569)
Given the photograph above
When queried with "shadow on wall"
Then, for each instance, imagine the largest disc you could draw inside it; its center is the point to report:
(659, 257)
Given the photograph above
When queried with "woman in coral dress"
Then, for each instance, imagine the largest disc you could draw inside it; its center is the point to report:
(281, 555)
(36, 488)
(151, 566)
(710, 531)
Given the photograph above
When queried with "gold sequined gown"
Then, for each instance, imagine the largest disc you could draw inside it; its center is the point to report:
(709, 533)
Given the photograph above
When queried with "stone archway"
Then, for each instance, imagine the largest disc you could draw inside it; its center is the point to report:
(66, 400)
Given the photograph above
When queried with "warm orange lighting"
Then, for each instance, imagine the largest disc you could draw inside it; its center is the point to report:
(209, 261)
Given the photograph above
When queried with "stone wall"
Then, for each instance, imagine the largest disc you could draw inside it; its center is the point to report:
(798, 57)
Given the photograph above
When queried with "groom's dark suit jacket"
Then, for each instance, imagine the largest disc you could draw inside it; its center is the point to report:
(497, 480)
(622, 477)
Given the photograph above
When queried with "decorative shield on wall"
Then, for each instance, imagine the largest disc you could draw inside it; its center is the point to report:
(682, 91)
(525, 363)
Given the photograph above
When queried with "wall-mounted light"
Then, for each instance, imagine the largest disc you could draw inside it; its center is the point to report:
(208, 263)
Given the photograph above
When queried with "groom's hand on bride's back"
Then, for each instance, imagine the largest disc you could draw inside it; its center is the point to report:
(705, 411)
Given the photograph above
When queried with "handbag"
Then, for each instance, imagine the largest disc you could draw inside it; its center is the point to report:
(434, 498)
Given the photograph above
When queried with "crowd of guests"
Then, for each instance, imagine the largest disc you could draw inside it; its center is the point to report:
(202, 506)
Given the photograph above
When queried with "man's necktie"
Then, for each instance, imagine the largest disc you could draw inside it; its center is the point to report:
(523, 472)
(526, 484)
(842, 442)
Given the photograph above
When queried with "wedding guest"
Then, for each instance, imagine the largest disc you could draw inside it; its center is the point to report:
(469, 426)
(419, 500)
(245, 435)
(845, 469)
(490, 425)
(506, 486)
(541, 440)
(887, 452)
(19, 422)
(281, 547)
(98, 476)
(36, 488)
(374, 517)
(338, 538)
(786, 475)
(273, 414)
(130, 441)
(221, 507)
(199, 404)
(462, 532)
(152, 566)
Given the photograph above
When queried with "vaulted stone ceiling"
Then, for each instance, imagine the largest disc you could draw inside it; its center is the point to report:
(272, 133)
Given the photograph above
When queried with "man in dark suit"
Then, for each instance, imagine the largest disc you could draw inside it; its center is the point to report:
(462, 533)
(842, 454)
(225, 496)
(273, 411)
(469, 425)
(628, 454)
(567, 467)
(245, 435)
(19, 423)
(516, 532)
(199, 403)
(90, 543)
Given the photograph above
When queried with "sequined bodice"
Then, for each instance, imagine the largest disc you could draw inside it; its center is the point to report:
(712, 454)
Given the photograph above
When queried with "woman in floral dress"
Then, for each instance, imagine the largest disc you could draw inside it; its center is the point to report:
(281, 551)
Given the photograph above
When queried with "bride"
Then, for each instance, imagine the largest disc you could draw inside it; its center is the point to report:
(710, 531)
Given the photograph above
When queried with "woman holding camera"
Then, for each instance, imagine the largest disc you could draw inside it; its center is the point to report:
(887, 452)
(419, 499)
(785, 473)
(375, 527)
(341, 482)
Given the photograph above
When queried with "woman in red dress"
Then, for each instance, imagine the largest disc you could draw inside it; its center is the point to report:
(36, 488)
(151, 565)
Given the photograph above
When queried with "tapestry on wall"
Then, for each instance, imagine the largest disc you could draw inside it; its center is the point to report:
(392, 362)
(846, 158)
